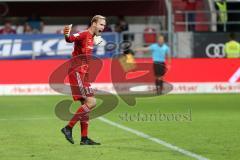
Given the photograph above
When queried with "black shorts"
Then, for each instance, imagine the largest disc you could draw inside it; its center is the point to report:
(159, 68)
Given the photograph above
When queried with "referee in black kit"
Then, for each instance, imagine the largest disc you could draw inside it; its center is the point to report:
(160, 51)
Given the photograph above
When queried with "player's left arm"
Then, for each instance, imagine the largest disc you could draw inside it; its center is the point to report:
(71, 37)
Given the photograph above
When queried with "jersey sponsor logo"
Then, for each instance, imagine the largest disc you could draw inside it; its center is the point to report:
(215, 50)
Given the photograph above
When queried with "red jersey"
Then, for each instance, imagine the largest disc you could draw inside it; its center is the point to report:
(81, 55)
(83, 45)
(79, 67)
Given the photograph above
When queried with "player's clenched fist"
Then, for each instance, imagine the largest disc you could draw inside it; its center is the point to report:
(67, 30)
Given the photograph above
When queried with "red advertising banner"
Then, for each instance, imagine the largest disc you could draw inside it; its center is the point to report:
(181, 70)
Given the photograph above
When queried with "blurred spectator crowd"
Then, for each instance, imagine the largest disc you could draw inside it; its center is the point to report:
(34, 25)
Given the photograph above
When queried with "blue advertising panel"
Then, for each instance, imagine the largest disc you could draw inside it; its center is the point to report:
(46, 46)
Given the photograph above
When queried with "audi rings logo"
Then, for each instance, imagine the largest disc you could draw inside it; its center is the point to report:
(215, 50)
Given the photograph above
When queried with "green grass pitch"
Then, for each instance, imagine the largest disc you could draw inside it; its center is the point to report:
(29, 129)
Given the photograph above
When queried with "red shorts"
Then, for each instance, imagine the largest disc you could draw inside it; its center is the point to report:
(80, 89)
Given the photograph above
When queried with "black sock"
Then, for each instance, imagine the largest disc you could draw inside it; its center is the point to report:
(159, 86)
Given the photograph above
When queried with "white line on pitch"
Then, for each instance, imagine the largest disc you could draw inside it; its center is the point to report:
(156, 140)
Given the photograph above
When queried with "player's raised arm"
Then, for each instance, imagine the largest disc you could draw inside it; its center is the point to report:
(68, 37)
(66, 32)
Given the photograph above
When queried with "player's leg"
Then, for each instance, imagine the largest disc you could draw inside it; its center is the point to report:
(82, 115)
(159, 70)
(155, 70)
(84, 121)
(91, 102)
(159, 84)
(78, 92)
(81, 92)
(82, 111)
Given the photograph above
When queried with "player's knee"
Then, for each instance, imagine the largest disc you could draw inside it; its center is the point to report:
(91, 102)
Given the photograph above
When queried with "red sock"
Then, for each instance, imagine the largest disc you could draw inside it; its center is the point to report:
(81, 112)
(84, 125)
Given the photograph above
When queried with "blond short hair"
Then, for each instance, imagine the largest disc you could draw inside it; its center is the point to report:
(161, 35)
(96, 18)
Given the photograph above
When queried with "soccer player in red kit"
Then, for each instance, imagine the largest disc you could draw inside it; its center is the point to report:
(78, 77)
